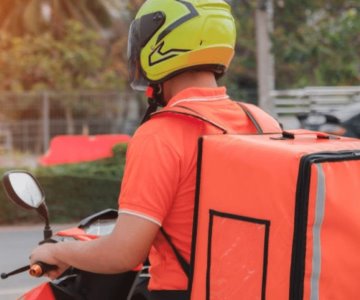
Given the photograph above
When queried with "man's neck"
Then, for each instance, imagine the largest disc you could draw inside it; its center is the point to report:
(187, 80)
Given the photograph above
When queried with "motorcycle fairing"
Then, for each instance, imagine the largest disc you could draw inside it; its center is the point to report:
(41, 292)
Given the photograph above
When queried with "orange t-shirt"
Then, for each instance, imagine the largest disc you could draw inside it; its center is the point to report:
(160, 176)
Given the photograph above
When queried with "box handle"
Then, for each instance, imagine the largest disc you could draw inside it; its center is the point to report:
(290, 135)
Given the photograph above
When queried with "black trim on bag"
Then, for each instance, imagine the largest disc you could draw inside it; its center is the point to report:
(266, 223)
(195, 218)
(301, 215)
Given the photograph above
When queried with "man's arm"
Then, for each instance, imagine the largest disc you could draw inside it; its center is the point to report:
(125, 248)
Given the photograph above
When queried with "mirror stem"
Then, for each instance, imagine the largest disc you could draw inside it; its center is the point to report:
(47, 232)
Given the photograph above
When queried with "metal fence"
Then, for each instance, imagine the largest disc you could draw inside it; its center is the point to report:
(28, 121)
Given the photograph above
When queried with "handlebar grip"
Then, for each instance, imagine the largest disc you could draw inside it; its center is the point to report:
(40, 268)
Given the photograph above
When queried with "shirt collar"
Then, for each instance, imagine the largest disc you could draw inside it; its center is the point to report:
(198, 94)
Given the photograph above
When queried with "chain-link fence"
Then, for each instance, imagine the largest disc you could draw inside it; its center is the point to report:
(28, 121)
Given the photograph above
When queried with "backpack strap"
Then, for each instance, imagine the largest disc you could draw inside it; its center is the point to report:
(185, 266)
(263, 122)
(187, 111)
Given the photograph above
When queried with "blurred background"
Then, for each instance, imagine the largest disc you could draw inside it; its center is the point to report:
(63, 73)
(63, 66)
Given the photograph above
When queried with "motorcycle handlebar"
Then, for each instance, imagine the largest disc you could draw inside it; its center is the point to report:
(38, 269)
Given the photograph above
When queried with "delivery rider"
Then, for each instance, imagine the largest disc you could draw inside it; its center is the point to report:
(177, 49)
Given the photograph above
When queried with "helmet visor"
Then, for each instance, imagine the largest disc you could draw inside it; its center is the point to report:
(141, 31)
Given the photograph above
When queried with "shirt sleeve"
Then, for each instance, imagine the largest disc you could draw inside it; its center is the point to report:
(150, 179)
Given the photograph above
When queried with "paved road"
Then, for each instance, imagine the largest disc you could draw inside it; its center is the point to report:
(15, 246)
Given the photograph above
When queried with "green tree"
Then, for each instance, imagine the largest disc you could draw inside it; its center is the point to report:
(109, 18)
(78, 61)
(241, 76)
(21, 17)
(317, 43)
(40, 63)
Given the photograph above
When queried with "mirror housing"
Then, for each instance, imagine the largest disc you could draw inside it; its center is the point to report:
(24, 190)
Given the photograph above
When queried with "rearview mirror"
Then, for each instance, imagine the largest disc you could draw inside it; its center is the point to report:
(23, 189)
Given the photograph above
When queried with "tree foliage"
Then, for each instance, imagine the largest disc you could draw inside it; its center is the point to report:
(314, 43)
(22, 17)
(241, 76)
(76, 62)
(317, 43)
(42, 62)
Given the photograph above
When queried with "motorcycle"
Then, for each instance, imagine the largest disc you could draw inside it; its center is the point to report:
(344, 121)
(24, 190)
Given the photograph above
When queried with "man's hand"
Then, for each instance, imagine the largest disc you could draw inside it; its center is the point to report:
(46, 253)
(122, 250)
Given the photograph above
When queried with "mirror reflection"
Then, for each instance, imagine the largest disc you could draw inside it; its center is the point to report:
(26, 189)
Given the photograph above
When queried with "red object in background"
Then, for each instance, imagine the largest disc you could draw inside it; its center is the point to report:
(65, 149)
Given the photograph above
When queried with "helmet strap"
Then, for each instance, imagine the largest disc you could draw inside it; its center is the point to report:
(155, 96)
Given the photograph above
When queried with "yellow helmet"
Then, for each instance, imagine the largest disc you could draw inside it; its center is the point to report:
(170, 36)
